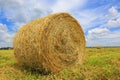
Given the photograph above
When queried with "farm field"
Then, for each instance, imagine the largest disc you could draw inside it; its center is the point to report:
(100, 64)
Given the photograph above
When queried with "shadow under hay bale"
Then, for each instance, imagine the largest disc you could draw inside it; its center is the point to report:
(50, 44)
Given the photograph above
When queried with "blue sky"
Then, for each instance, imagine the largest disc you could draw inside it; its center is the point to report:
(100, 19)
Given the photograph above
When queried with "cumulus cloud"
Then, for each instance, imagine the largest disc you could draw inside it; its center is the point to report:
(113, 35)
(5, 37)
(113, 23)
(97, 33)
(21, 11)
(113, 18)
(113, 10)
(103, 37)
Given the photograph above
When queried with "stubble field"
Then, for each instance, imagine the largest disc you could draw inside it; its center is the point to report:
(100, 64)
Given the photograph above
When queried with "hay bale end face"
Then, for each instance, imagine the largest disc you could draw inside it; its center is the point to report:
(50, 44)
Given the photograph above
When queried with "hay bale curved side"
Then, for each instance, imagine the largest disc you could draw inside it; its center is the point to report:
(52, 43)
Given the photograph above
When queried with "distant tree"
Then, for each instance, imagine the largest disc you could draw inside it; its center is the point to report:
(6, 48)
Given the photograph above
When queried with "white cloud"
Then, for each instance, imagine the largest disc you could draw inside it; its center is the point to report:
(113, 10)
(3, 27)
(103, 37)
(5, 37)
(99, 30)
(64, 5)
(97, 33)
(113, 18)
(112, 35)
(102, 33)
(21, 12)
(113, 23)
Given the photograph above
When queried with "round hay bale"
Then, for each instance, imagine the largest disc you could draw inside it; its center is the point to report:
(50, 44)
(99, 47)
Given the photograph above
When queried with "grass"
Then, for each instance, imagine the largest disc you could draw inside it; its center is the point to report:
(100, 64)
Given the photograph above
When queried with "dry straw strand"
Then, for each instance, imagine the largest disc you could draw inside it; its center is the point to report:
(50, 44)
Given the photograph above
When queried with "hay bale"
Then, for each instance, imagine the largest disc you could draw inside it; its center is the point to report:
(99, 47)
(52, 43)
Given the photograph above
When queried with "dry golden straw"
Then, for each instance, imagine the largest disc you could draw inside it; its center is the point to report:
(50, 44)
